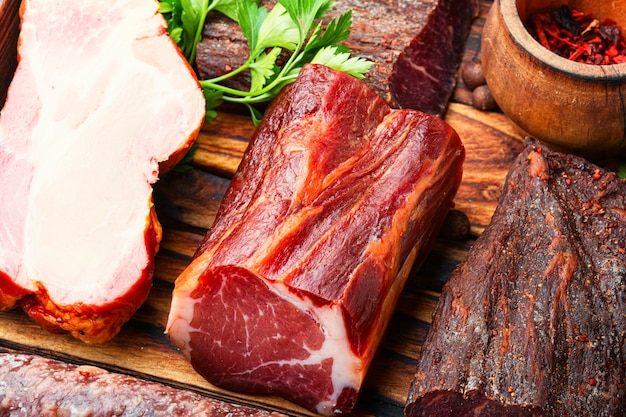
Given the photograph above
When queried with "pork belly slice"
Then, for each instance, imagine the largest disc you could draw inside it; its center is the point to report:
(336, 198)
(533, 322)
(100, 102)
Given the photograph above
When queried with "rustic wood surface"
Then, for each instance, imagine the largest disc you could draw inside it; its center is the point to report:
(186, 204)
(9, 27)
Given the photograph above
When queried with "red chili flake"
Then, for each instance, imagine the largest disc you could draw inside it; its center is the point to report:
(597, 174)
(592, 381)
(568, 181)
(582, 338)
(578, 36)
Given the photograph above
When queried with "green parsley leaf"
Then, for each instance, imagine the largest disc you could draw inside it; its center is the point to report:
(263, 68)
(337, 31)
(228, 7)
(304, 13)
(250, 18)
(292, 29)
(332, 57)
(278, 29)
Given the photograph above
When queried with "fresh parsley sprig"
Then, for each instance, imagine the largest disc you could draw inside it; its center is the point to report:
(294, 26)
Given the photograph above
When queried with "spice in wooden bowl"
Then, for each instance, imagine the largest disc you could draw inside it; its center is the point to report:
(570, 105)
(578, 36)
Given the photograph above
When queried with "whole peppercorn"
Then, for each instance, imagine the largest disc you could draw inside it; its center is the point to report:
(482, 98)
(473, 74)
(456, 225)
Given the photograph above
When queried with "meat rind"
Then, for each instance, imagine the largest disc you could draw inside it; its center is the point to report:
(532, 322)
(336, 198)
(101, 101)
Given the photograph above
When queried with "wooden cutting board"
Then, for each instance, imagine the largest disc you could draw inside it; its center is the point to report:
(186, 204)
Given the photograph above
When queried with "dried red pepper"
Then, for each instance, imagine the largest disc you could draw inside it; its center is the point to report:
(578, 36)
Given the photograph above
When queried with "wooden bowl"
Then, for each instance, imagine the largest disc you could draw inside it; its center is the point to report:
(569, 105)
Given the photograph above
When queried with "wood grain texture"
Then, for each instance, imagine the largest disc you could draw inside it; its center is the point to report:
(9, 31)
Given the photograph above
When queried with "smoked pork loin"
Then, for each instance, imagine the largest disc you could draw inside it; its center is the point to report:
(100, 101)
(533, 322)
(336, 198)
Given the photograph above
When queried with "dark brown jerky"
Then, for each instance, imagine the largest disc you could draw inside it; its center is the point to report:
(380, 31)
(424, 75)
(533, 322)
(37, 386)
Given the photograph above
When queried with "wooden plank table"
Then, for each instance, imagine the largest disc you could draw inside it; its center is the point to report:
(186, 204)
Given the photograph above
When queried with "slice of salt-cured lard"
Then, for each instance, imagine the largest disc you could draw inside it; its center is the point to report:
(533, 322)
(101, 99)
(336, 198)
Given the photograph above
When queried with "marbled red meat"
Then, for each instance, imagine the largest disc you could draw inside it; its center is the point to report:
(424, 75)
(533, 322)
(337, 197)
(100, 102)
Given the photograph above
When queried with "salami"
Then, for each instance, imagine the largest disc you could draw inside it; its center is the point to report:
(32, 385)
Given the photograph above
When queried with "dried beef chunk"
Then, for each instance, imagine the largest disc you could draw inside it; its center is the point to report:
(424, 75)
(532, 322)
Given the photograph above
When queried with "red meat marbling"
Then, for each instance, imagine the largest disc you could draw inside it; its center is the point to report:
(337, 197)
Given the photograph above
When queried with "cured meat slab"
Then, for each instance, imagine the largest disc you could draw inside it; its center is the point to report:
(336, 199)
(533, 322)
(100, 102)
